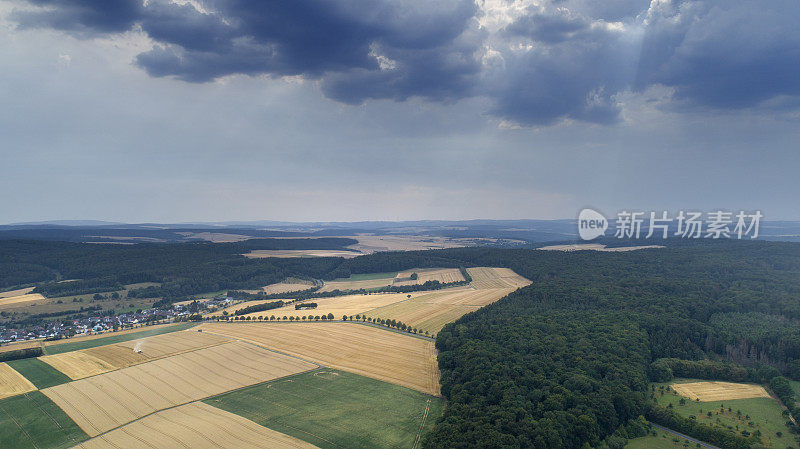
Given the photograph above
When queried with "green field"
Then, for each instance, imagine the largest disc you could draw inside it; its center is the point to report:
(754, 415)
(367, 277)
(86, 344)
(32, 420)
(39, 373)
(336, 409)
(661, 440)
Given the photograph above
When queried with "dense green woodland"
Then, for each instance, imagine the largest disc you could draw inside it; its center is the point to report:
(564, 362)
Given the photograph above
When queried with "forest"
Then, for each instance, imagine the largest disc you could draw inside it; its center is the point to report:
(564, 362)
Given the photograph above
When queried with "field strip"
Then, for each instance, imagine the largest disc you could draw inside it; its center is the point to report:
(12, 382)
(101, 403)
(719, 391)
(261, 346)
(103, 359)
(194, 425)
(388, 356)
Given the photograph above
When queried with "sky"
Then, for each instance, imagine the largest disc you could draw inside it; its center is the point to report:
(345, 110)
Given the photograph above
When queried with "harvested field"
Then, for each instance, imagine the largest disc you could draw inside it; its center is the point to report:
(13, 383)
(430, 311)
(21, 300)
(89, 362)
(357, 284)
(338, 306)
(443, 275)
(719, 391)
(262, 253)
(173, 343)
(490, 277)
(78, 364)
(287, 286)
(389, 356)
(20, 345)
(101, 403)
(195, 425)
(107, 338)
(18, 292)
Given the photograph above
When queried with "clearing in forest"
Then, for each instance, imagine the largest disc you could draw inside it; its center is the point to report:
(719, 391)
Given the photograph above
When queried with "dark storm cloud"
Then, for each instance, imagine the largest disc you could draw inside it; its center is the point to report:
(82, 16)
(563, 59)
(572, 70)
(364, 49)
(723, 54)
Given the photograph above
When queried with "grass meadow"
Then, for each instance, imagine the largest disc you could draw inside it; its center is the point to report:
(764, 415)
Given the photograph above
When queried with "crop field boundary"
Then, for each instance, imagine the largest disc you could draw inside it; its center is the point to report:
(253, 343)
(144, 361)
(119, 338)
(211, 396)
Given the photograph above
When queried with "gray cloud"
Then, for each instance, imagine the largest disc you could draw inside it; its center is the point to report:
(563, 59)
(87, 17)
(723, 54)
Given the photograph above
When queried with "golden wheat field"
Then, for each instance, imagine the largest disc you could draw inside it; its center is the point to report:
(17, 300)
(719, 391)
(78, 364)
(490, 277)
(102, 359)
(195, 425)
(18, 292)
(349, 305)
(443, 275)
(384, 355)
(432, 310)
(106, 401)
(357, 285)
(13, 383)
(287, 286)
(13, 346)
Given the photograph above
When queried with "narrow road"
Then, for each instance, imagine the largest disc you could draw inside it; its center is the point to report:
(685, 437)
